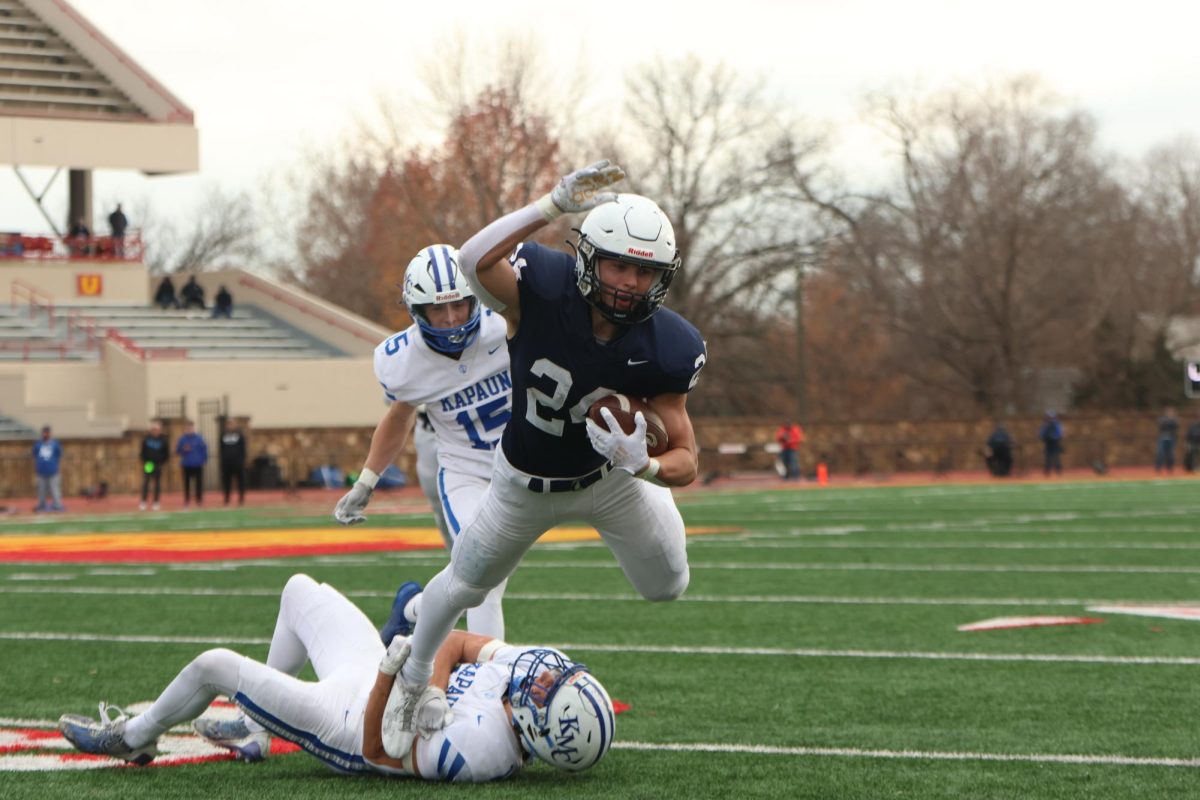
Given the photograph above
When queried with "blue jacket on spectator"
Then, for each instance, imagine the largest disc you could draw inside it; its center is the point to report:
(46, 455)
(192, 450)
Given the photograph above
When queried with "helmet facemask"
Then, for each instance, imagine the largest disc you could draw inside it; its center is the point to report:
(596, 292)
(448, 340)
(633, 230)
(433, 278)
(565, 719)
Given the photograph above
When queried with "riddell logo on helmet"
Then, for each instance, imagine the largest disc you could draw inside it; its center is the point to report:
(633, 251)
(446, 297)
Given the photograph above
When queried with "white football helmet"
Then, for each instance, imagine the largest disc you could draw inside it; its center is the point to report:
(433, 278)
(632, 229)
(567, 722)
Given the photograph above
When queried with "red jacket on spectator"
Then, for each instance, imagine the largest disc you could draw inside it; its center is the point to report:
(789, 437)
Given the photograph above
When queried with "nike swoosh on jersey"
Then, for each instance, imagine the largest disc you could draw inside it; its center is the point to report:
(633, 363)
(494, 349)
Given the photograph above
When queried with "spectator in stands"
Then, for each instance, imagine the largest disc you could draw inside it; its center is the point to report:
(79, 238)
(193, 455)
(1191, 459)
(164, 295)
(1051, 435)
(1168, 433)
(790, 436)
(155, 452)
(223, 304)
(233, 460)
(117, 223)
(47, 452)
(998, 453)
(192, 294)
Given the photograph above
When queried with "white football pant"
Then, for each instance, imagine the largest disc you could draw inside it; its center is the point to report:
(455, 499)
(637, 520)
(315, 623)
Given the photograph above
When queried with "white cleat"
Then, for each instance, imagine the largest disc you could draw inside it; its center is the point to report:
(232, 734)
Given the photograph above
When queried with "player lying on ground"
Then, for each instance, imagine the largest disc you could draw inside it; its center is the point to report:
(503, 703)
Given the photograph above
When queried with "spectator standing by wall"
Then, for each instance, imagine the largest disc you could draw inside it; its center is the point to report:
(47, 453)
(1051, 435)
(1168, 433)
(233, 460)
(223, 304)
(155, 452)
(790, 436)
(999, 452)
(164, 295)
(1191, 459)
(117, 223)
(193, 455)
(192, 294)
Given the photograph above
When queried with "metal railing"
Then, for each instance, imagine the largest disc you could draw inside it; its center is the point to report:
(92, 248)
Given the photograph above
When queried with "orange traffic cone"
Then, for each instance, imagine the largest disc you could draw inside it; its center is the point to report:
(822, 474)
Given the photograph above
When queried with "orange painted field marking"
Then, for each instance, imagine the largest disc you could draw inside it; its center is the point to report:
(168, 546)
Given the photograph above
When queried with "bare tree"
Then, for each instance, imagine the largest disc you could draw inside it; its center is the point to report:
(705, 143)
(1166, 190)
(996, 253)
(222, 233)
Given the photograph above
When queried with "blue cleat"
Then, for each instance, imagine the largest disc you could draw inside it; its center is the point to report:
(105, 737)
(397, 624)
(232, 734)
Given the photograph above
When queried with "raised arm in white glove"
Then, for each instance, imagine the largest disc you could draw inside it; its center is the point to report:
(626, 451)
(581, 190)
(349, 510)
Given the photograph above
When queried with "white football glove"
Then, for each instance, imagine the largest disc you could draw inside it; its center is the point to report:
(349, 510)
(626, 451)
(580, 191)
(433, 712)
(396, 655)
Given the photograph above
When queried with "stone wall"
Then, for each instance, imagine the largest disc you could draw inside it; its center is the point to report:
(1115, 440)
(858, 448)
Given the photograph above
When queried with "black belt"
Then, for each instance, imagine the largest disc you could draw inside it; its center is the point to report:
(543, 485)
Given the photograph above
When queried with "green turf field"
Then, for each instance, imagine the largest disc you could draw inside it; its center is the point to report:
(815, 654)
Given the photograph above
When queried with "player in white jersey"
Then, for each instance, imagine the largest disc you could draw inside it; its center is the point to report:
(453, 360)
(508, 702)
(425, 443)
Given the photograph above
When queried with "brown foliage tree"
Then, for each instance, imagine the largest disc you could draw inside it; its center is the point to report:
(496, 156)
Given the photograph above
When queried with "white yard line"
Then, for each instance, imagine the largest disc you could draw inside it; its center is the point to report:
(749, 566)
(801, 652)
(819, 752)
(933, 755)
(752, 541)
(166, 591)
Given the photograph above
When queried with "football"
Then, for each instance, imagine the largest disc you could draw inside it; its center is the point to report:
(623, 408)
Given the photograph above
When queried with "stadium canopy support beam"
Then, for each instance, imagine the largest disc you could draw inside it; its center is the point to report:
(37, 198)
(79, 205)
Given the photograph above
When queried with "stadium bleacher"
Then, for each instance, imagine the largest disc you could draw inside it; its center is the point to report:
(63, 333)
(14, 429)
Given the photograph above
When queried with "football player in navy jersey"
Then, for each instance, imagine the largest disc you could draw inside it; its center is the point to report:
(580, 326)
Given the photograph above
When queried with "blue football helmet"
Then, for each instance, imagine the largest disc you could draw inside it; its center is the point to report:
(433, 278)
(566, 720)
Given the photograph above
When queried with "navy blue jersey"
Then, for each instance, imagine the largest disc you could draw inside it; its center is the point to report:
(559, 369)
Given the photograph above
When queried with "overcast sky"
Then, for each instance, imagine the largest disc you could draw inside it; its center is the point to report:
(269, 78)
